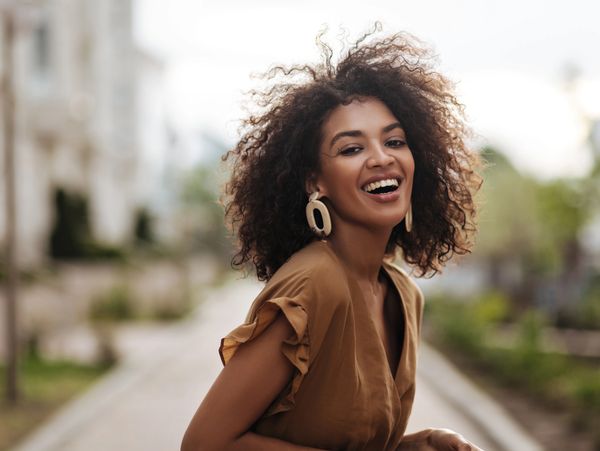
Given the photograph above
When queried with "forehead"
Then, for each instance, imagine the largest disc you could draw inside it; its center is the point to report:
(361, 114)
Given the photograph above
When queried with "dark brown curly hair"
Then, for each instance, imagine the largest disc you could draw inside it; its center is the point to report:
(265, 197)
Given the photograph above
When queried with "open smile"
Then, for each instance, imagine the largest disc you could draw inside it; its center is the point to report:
(385, 190)
(382, 186)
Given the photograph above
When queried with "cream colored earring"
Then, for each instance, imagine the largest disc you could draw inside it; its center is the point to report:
(408, 219)
(315, 204)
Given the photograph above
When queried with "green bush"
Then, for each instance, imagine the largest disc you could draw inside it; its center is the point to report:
(71, 236)
(116, 304)
(492, 307)
(144, 227)
(586, 389)
(169, 312)
(558, 379)
(462, 329)
(465, 324)
(590, 307)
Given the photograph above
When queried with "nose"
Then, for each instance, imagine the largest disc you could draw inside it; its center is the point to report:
(379, 156)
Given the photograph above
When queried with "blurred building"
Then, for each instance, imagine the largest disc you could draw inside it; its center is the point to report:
(87, 122)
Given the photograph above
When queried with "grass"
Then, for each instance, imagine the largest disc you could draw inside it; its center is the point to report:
(44, 387)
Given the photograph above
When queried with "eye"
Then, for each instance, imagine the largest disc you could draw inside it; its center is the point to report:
(395, 143)
(350, 150)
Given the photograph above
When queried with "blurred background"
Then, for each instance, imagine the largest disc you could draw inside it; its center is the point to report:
(114, 115)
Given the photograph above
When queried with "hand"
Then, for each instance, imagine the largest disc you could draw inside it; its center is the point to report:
(447, 440)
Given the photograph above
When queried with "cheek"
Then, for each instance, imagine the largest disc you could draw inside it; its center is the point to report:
(408, 164)
(409, 161)
(339, 176)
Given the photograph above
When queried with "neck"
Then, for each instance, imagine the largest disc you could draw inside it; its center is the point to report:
(361, 249)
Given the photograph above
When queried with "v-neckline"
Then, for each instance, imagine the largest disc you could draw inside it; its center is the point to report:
(392, 285)
(393, 374)
(398, 298)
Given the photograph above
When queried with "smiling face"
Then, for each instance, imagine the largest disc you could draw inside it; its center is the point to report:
(366, 166)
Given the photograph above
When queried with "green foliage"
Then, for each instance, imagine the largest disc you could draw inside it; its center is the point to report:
(466, 328)
(561, 211)
(459, 326)
(119, 304)
(100, 251)
(71, 231)
(465, 323)
(46, 386)
(200, 198)
(171, 312)
(530, 325)
(71, 236)
(38, 372)
(564, 208)
(525, 365)
(529, 234)
(531, 221)
(116, 304)
(509, 199)
(144, 227)
(492, 307)
(589, 311)
(586, 314)
(587, 389)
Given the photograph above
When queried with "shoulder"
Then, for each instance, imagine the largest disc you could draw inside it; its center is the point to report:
(313, 259)
(311, 274)
(314, 265)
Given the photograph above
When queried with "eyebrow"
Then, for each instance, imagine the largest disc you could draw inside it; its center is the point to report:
(355, 133)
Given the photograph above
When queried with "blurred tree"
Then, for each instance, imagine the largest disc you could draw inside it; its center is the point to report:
(200, 198)
(529, 234)
(507, 234)
(71, 230)
(144, 227)
(71, 236)
(564, 210)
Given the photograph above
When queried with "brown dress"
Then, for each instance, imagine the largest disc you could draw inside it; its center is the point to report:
(343, 395)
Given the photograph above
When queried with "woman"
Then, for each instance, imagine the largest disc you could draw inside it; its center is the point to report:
(344, 165)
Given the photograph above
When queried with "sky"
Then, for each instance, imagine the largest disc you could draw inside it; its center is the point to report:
(509, 60)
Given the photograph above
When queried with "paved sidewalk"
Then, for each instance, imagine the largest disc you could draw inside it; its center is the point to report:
(147, 403)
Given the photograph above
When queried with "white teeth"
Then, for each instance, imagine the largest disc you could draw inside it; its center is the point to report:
(379, 184)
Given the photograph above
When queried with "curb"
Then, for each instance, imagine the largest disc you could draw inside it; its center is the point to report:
(479, 407)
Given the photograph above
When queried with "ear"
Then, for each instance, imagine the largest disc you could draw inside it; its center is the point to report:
(312, 184)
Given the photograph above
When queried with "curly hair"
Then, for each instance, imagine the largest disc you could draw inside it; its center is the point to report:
(265, 197)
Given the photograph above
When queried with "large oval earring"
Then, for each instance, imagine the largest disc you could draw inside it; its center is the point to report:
(408, 219)
(315, 204)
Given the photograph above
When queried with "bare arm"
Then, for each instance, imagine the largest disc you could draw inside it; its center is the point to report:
(251, 441)
(244, 389)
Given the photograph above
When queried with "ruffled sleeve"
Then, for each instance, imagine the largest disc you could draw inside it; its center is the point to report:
(295, 349)
(310, 291)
